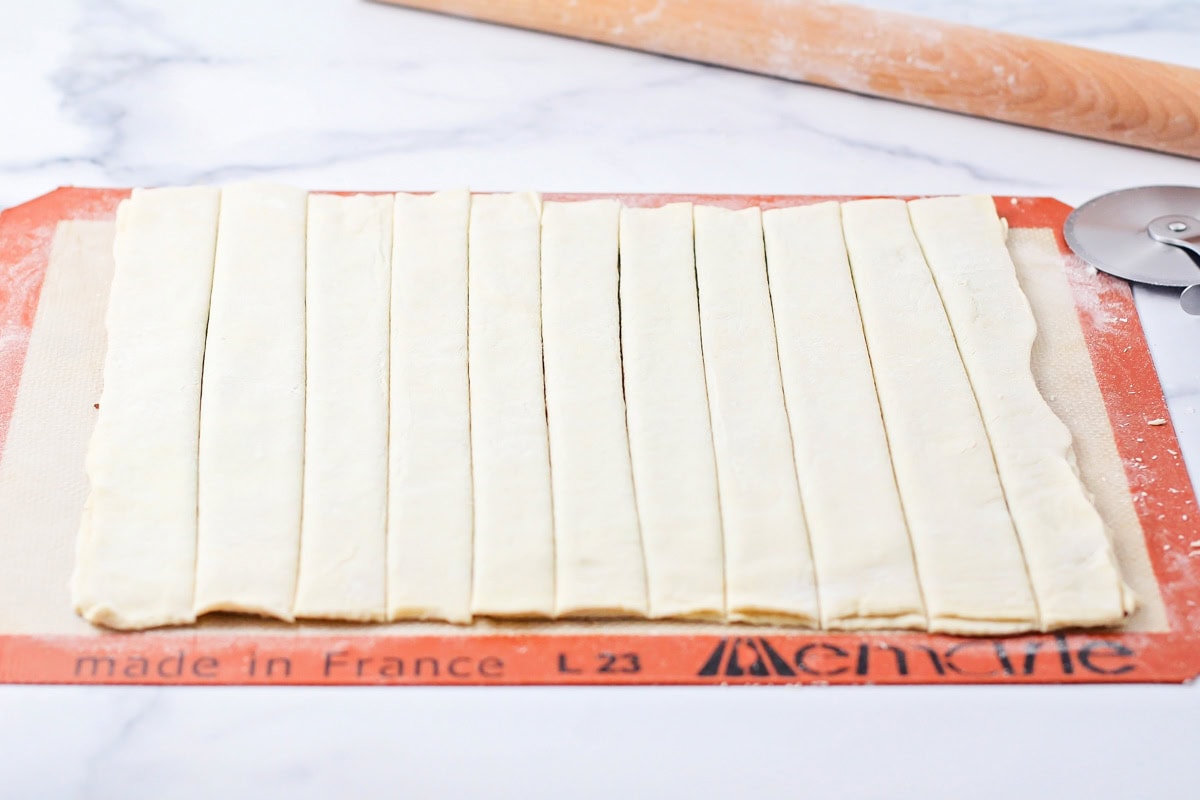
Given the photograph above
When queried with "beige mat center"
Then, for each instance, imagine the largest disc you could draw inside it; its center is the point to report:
(43, 486)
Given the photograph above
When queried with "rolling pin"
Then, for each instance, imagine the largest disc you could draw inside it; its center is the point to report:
(968, 70)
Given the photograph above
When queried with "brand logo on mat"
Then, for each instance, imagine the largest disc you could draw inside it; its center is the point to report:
(741, 656)
(1053, 658)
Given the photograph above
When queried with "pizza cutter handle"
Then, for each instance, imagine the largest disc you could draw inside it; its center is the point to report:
(1183, 232)
(1190, 299)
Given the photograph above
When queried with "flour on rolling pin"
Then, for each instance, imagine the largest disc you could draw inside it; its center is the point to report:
(926, 62)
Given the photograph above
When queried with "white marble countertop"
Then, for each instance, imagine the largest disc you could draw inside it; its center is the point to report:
(343, 94)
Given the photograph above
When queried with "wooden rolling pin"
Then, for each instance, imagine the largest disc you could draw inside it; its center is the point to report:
(1001, 76)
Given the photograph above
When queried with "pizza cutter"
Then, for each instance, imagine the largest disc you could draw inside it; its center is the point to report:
(1150, 234)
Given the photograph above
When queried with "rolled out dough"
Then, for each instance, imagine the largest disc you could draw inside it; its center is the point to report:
(514, 528)
(136, 562)
(342, 574)
(968, 557)
(585, 410)
(670, 437)
(597, 543)
(860, 542)
(430, 507)
(252, 406)
(1067, 551)
(768, 565)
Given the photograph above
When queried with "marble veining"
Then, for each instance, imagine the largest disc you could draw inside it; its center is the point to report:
(345, 94)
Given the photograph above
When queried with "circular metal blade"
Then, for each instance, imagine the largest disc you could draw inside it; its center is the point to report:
(1109, 232)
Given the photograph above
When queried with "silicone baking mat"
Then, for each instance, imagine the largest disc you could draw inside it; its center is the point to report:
(1091, 347)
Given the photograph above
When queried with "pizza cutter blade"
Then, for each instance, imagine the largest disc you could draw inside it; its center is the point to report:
(1150, 234)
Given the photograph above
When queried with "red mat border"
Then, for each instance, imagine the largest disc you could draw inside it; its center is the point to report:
(1132, 395)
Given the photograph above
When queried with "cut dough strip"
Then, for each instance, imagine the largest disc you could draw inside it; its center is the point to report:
(343, 529)
(1066, 548)
(598, 548)
(136, 567)
(860, 541)
(670, 438)
(429, 486)
(968, 558)
(252, 406)
(768, 566)
(514, 528)
(1063, 373)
